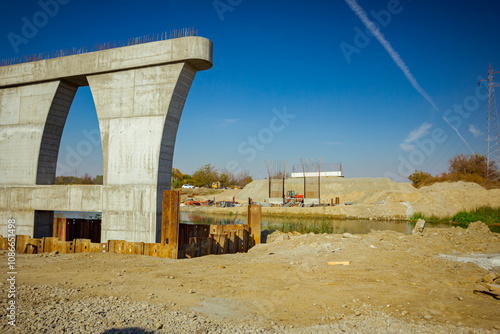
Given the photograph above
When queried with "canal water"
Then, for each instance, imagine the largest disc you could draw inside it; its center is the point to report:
(305, 225)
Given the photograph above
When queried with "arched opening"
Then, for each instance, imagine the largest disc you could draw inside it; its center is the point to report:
(80, 150)
(52, 132)
(70, 152)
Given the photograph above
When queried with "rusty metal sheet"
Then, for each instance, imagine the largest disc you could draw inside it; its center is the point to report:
(59, 229)
(21, 242)
(66, 247)
(255, 222)
(116, 246)
(170, 221)
(34, 246)
(103, 247)
(152, 249)
(4, 243)
(165, 251)
(95, 247)
(50, 244)
(82, 245)
(134, 248)
(55, 227)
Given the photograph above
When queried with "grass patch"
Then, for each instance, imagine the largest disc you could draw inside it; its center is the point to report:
(432, 219)
(317, 226)
(487, 214)
(305, 228)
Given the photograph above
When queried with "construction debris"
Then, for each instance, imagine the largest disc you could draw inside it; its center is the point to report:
(339, 263)
(419, 226)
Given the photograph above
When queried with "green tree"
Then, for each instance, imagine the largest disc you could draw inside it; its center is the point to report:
(227, 177)
(86, 179)
(186, 179)
(205, 175)
(98, 179)
(177, 174)
(175, 183)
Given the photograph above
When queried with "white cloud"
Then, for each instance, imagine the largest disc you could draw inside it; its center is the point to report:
(475, 131)
(418, 133)
(415, 134)
(332, 143)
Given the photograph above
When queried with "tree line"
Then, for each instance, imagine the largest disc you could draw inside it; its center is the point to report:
(202, 177)
(85, 179)
(469, 168)
(207, 174)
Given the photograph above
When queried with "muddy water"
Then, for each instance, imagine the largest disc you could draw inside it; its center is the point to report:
(305, 225)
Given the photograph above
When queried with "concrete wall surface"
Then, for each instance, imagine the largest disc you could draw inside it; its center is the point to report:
(139, 93)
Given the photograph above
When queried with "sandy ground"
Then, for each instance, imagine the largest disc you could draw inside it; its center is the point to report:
(287, 283)
(374, 198)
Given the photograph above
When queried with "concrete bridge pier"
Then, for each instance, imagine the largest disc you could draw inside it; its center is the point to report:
(139, 93)
(139, 111)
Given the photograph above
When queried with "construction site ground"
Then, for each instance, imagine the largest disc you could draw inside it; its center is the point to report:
(371, 198)
(393, 283)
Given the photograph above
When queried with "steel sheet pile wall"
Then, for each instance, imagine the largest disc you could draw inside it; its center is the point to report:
(185, 240)
(200, 240)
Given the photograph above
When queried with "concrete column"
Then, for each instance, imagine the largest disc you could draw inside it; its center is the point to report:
(139, 111)
(32, 118)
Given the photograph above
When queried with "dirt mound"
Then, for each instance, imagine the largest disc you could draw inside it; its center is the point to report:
(388, 197)
(479, 229)
(446, 199)
(257, 189)
(449, 186)
(351, 189)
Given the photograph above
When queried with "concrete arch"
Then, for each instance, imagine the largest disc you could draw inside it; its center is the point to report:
(139, 93)
(52, 132)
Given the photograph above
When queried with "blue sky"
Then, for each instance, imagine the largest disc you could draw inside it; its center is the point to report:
(347, 98)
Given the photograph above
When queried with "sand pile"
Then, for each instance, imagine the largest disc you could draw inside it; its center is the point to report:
(387, 198)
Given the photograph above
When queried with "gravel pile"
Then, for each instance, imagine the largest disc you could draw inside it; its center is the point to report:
(54, 309)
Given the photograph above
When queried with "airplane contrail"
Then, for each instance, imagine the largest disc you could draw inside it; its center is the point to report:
(387, 46)
(397, 59)
(458, 133)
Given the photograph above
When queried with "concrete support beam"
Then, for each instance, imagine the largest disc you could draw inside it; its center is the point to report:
(197, 51)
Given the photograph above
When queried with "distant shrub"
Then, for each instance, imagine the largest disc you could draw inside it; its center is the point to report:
(467, 168)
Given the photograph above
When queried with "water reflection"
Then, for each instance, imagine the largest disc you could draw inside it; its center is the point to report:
(305, 225)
